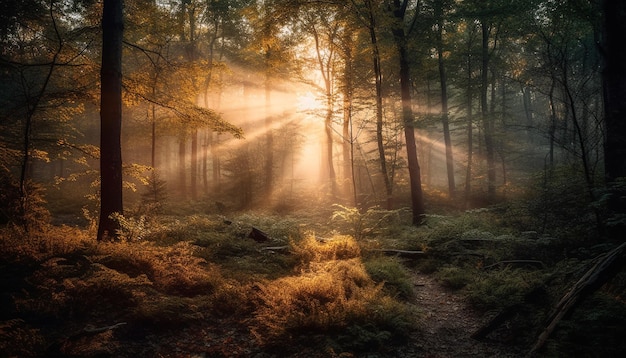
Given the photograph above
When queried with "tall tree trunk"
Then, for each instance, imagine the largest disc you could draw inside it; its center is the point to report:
(347, 139)
(192, 56)
(614, 86)
(217, 175)
(205, 158)
(528, 110)
(379, 107)
(328, 154)
(417, 197)
(552, 128)
(470, 117)
(194, 165)
(153, 135)
(182, 168)
(444, 101)
(486, 120)
(269, 132)
(328, 169)
(111, 119)
(470, 147)
(347, 150)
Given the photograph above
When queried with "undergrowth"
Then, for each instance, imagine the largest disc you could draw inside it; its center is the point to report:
(333, 292)
(319, 282)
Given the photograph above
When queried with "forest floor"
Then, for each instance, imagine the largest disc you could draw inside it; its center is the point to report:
(447, 322)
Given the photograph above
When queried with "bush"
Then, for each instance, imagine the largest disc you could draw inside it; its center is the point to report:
(455, 277)
(503, 288)
(360, 224)
(332, 296)
(389, 271)
(174, 270)
(311, 249)
(28, 211)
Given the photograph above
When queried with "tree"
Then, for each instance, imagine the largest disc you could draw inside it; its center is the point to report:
(440, 7)
(324, 28)
(378, 76)
(415, 182)
(614, 76)
(111, 119)
(41, 50)
(614, 86)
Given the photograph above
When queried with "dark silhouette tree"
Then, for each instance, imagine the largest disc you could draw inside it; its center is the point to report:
(614, 86)
(614, 76)
(111, 119)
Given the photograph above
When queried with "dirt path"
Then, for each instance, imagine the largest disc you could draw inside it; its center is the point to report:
(447, 323)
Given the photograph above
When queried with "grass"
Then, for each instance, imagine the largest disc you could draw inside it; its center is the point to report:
(191, 271)
(327, 289)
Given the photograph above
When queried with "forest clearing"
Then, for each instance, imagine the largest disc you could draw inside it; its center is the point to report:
(303, 178)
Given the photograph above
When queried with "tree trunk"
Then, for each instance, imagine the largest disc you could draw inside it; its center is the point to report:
(153, 135)
(444, 101)
(328, 170)
(379, 108)
(417, 197)
(217, 175)
(205, 159)
(552, 128)
(111, 119)
(269, 135)
(614, 76)
(470, 120)
(348, 158)
(614, 87)
(194, 165)
(182, 168)
(486, 120)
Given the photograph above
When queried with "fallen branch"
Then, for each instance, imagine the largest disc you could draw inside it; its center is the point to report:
(92, 330)
(534, 296)
(537, 263)
(594, 278)
(409, 253)
(56, 349)
(275, 248)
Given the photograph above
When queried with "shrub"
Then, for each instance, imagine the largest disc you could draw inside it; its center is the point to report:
(332, 296)
(26, 210)
(394, 276)
(359, 224)
(173, 270)
(18, 339)
(455, 277)
(131, 229)
(501, 288)
(339, 247)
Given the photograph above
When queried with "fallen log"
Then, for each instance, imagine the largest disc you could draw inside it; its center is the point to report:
(532, 297)
(404, 253)
(95, 330)
(605, 268)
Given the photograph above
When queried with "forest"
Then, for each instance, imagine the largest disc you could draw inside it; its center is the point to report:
(312, 178)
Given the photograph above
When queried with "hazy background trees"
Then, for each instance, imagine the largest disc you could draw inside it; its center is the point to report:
(248, 104)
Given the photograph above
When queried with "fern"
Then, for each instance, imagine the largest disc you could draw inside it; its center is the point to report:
(360, 224)
(131, 229)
